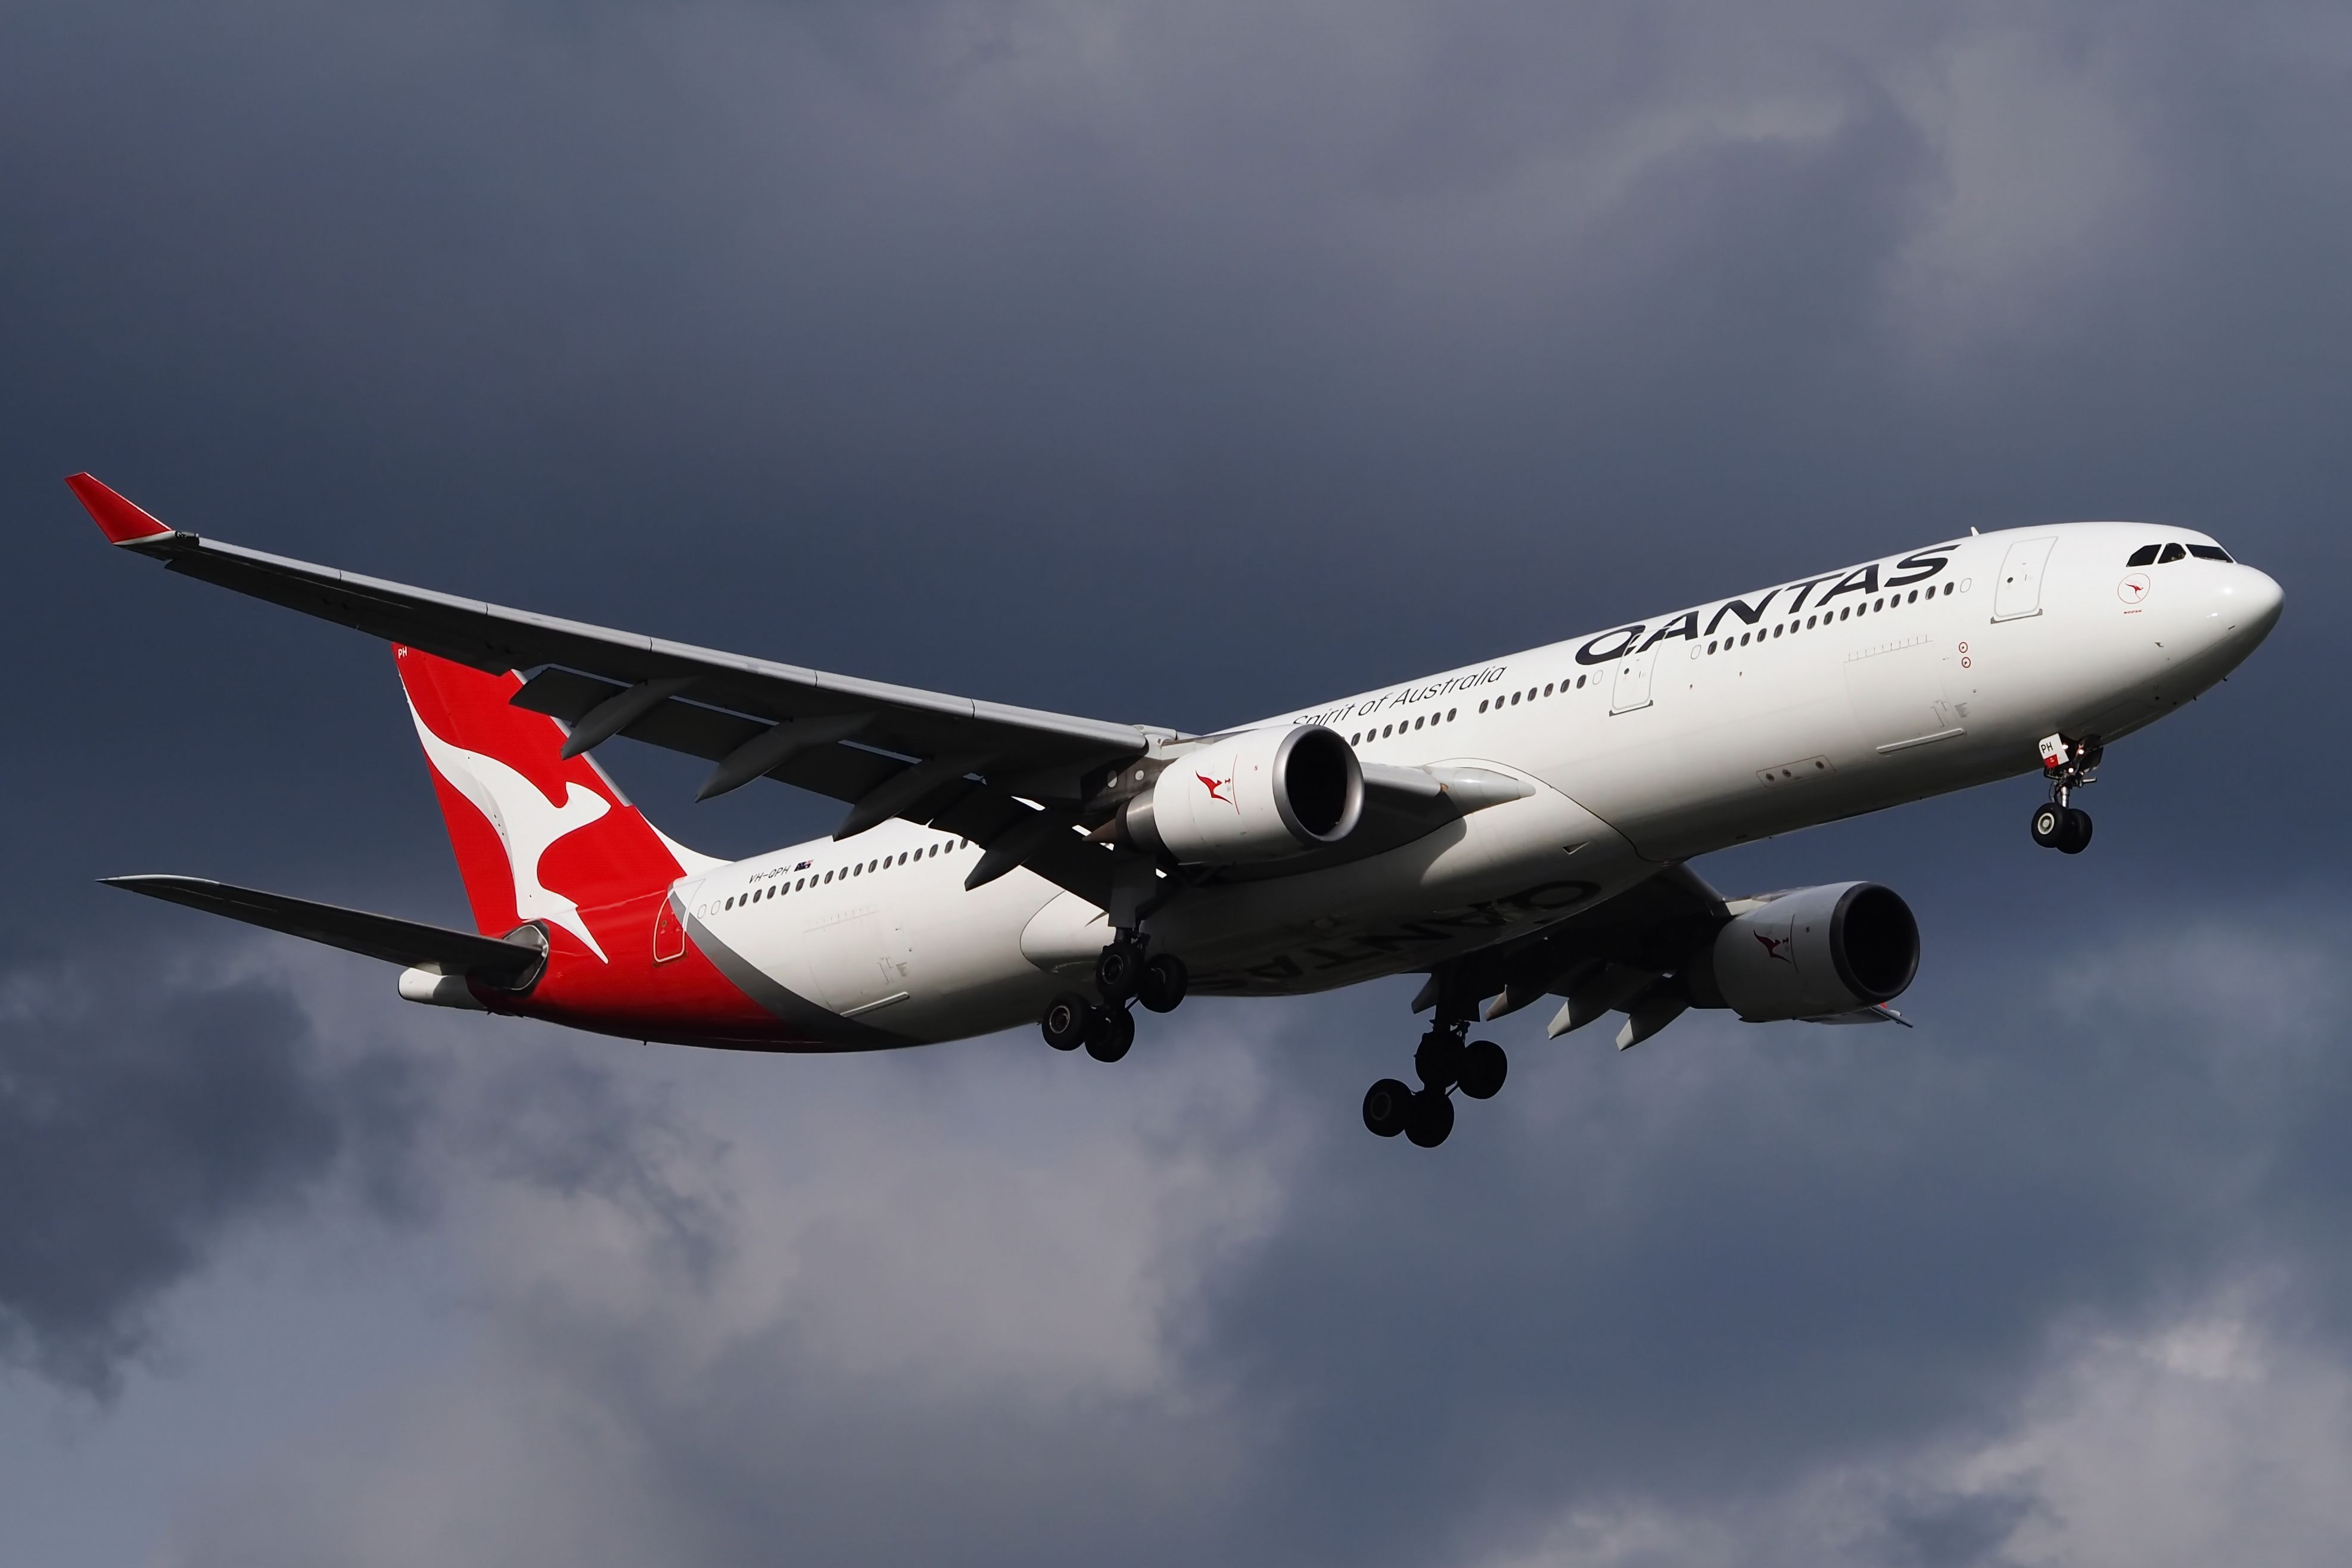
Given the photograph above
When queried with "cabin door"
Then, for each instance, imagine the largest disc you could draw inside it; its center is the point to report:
(2019, 592)
(1632, 688)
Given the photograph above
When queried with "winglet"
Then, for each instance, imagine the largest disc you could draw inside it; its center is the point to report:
(121, 522)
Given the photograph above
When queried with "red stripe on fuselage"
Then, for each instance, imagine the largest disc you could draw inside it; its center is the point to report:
(683, 1001)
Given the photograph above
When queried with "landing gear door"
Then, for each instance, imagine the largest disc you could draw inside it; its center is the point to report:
(2019, 592)
(1632, 688)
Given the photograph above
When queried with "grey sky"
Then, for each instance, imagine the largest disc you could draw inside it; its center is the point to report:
(1176, 363)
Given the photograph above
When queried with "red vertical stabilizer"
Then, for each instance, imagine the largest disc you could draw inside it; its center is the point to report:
(549, 840)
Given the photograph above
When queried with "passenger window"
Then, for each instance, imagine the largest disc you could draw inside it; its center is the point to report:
(2208, 552)
(2144, 556)
(1579, 683)
(2171, 552)
(1417, 723)
(1451, 713)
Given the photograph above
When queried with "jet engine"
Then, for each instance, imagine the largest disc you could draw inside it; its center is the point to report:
(1256, 795)
(1810, 952)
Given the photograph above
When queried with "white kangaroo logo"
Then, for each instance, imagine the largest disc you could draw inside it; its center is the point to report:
(527, 822)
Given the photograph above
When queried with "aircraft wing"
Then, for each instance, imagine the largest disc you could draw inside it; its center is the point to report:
(888, 751)
(492, 960)
(1625, 954)
(1610, 957)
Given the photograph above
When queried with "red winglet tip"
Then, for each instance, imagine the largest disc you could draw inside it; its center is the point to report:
(121, 522)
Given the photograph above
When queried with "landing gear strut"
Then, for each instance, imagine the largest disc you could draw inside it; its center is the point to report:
(2069, 765)
(1446, 1059)
(1123, 974)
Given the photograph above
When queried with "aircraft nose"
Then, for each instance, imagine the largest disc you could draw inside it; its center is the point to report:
(2241, 606)
(2258, 600)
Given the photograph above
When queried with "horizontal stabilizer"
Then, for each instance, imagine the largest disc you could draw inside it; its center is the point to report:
(493, 961)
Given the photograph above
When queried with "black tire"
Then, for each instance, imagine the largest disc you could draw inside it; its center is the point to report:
(1067, 1017)
(1387, 1106)
(1162, 983)
(1117, 972)
(2078, 831)
(1484, 1068)
(1112, 1034)
(1438, 1059)
(2050, 826)
(1431, 1119)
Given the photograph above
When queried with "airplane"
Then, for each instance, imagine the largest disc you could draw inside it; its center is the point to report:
(1513, 830)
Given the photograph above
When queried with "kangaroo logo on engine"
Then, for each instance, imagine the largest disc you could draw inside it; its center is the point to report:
(1214, 785)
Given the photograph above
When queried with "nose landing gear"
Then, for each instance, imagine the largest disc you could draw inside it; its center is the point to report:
(1446, 1060)
(2065, 828)
(2069, 765)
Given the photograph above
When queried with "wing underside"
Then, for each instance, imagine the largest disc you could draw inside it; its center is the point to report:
(1016, 781)
(981, 770)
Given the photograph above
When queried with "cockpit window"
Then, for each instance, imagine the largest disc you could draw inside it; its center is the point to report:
(2171, 552)
(2208, 552)
(2144, 556)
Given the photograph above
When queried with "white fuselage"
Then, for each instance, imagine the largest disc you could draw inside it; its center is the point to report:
(1645, 744)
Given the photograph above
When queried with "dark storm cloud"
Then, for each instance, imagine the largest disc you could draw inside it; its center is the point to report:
(1178, 364)
(568, 1127)
(1951, 1531)
(147, 1121)
(144, 1122)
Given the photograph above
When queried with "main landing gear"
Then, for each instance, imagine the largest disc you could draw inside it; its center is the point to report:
(1125, 973)
(1446, 1060)
(2069, 765)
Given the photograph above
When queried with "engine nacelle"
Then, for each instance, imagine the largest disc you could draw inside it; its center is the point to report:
(1257, 795)
(1811, 953)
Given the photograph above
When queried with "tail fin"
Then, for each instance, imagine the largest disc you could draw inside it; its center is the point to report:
(539, 836)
